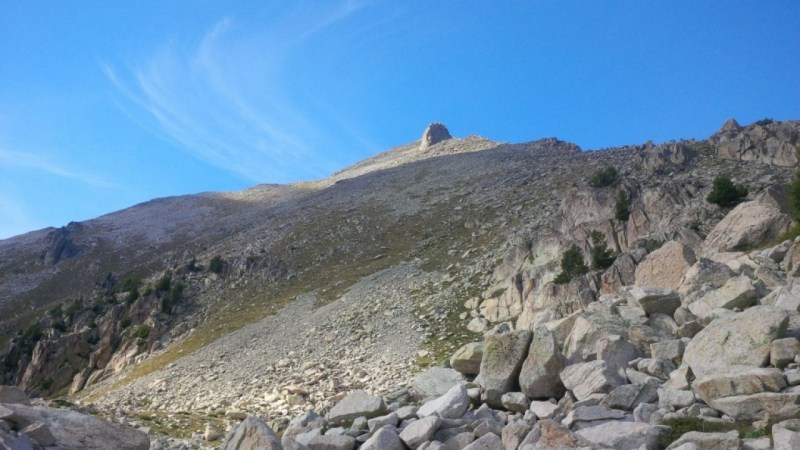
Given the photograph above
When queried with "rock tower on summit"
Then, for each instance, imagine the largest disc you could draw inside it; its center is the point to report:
(435, 132)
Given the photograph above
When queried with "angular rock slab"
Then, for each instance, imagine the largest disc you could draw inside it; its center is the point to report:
(488, 441)
(420, 431)
(775, 405)
(666, 266)
(623, 435)
(741, 380)
(385, 438)
(503, 356)
(740, 339)
(652, 299)
(452, 405)
(738, 292)
(581, 343)
(436, 381)
(356, 404)
(71, 429)
(539, 375)
(589, 378)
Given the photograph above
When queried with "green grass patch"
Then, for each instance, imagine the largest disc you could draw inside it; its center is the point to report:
(448, 335)
(683, 425)
(177, 425)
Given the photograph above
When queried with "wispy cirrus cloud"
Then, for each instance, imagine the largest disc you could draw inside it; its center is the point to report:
(225, 99)
(10, 159)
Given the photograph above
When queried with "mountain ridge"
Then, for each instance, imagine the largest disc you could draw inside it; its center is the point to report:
(458, 219)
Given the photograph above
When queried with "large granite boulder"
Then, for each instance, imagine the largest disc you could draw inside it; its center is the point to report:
(589, 328)
(666, 266)
(739, 292)
(705, 274)
(747, 226)
(593, 377)
(539, 375)
(738, 381)
(764, 405)
(652, 300)
(742, 339)
(503, 357)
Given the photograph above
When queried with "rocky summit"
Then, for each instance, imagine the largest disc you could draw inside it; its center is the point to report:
(451, 293)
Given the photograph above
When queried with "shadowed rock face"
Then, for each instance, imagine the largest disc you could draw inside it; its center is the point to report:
(60, 244)
(435, 133)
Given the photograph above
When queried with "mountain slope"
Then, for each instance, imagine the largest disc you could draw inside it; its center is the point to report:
(387, 251)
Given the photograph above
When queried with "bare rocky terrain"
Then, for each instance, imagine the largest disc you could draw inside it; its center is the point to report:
(354, 296)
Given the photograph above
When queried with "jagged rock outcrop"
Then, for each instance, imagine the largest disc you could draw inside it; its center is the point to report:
(60, 244)
(435, 132)
(665, 157)
(768, 142)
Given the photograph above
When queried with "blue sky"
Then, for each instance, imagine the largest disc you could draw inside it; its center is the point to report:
(107, 104)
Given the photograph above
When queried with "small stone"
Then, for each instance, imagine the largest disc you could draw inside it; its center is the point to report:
(515, 401)
(544, 410)
(783, 352)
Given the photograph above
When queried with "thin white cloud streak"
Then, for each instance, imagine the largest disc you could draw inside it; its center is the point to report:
(19, 159)
(225, 100)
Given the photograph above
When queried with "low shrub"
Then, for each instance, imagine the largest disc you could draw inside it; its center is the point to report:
(572, 265)
(602, 256)
(216, 265)
(163, 284)
(622, 210)
(604, 177)
(725, 193)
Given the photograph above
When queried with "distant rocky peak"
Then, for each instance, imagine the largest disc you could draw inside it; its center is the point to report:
(730, 126)
(435, 132)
